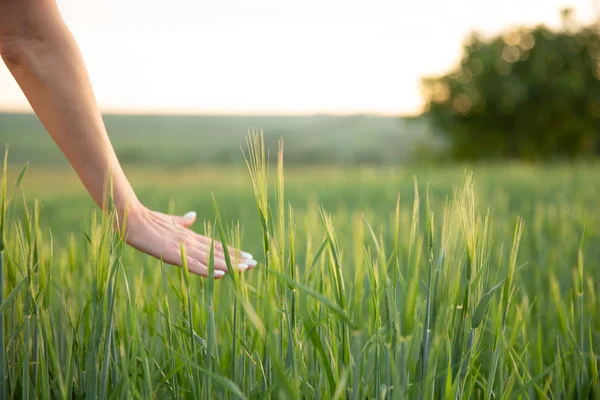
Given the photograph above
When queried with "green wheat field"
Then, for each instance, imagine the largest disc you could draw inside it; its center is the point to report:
(372, 283)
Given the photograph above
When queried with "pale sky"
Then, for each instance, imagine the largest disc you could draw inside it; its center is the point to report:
(278, 56)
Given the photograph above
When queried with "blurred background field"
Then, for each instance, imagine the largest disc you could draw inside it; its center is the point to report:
(173, 141)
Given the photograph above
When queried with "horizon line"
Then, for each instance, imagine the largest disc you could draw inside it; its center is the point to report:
(232, 113)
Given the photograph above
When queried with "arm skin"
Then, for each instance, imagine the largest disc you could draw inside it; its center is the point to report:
(44, 58)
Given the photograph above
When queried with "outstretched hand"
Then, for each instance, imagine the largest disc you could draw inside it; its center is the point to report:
(42, 55)
(160, 236)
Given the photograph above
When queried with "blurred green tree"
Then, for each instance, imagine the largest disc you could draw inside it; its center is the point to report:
(528, 93)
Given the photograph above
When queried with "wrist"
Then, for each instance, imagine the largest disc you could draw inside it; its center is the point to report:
(127, 213)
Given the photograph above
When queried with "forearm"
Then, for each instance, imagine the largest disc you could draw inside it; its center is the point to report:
(47, 64)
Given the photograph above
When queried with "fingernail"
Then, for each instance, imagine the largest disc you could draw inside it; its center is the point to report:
(242, 267)
(251, 263)
(219, 273)
(190, 215)
(247, 255)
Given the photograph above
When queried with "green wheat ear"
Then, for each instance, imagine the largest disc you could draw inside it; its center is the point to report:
(7, 196)
(3, 380)
(5, 302)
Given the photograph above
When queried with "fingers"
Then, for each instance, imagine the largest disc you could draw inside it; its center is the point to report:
(197, 268)
(198, 258)
(204, 243)
(194, 265)
(186, 220)
(202, 254)
(198, 247)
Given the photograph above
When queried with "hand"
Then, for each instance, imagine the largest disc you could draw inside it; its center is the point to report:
(160, 236)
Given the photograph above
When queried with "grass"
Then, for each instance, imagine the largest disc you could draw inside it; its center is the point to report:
(431, 294)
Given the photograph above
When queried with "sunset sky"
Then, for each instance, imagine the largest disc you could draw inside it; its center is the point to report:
(277, 56)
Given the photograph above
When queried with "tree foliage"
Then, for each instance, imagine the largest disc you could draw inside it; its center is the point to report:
(528, 93)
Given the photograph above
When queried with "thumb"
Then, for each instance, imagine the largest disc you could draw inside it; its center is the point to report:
(186, 220)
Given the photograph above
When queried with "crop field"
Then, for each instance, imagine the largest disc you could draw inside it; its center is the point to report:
(372, 282)
(175, 141)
